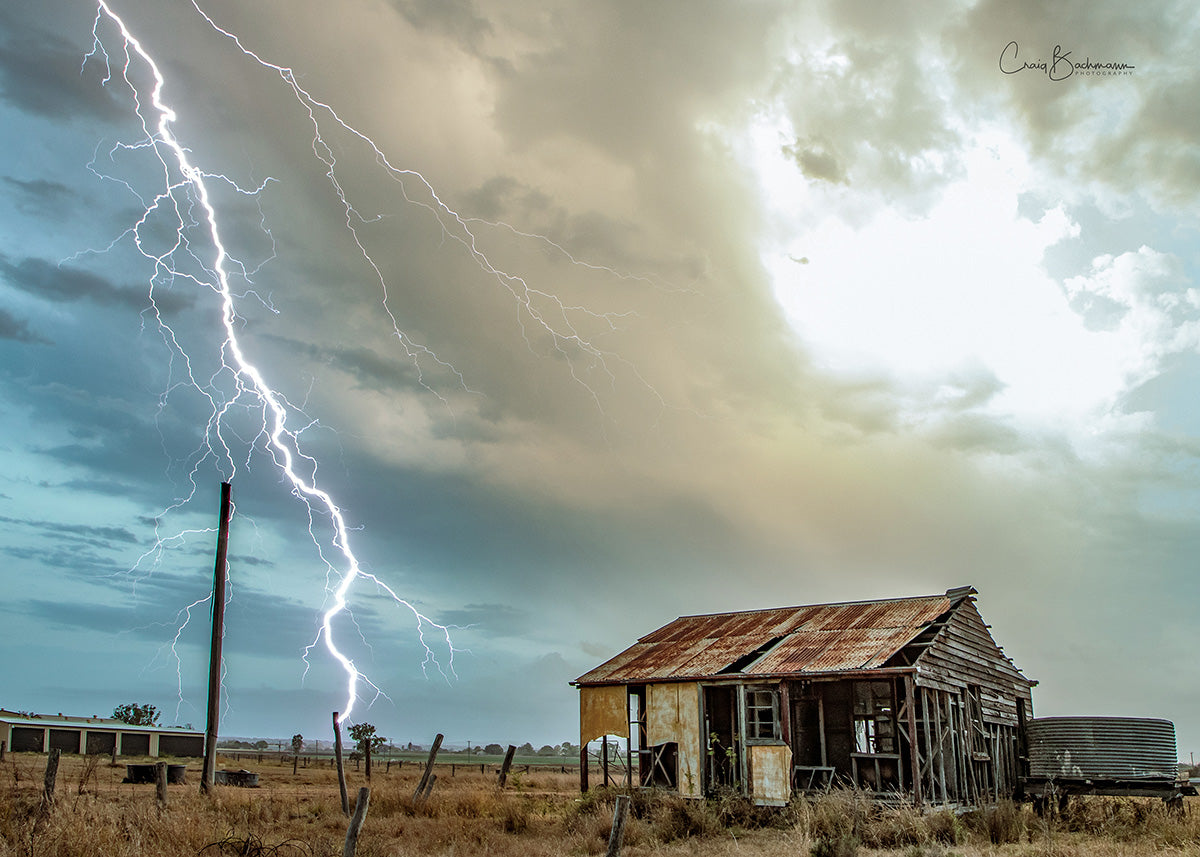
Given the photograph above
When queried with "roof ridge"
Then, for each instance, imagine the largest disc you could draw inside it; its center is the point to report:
(807, 606)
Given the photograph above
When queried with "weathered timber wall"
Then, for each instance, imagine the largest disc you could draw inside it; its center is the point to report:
(964, 653)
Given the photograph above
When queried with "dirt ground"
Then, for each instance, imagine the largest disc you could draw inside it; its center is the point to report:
(95, 814)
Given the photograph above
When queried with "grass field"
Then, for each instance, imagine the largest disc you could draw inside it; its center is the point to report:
(540, 813)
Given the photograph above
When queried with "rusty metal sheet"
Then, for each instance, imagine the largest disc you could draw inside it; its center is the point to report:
(673, 714)
(603, 711)
(770, 774)
(831, 651)
(808, 639)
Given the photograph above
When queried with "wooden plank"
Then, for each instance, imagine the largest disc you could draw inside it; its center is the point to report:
(928, 740)
(913, 753)
(821, 725)
(941, 742)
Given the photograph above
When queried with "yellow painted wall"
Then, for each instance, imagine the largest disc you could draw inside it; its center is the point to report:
(673, 714)
(770, 773)
(603, 711)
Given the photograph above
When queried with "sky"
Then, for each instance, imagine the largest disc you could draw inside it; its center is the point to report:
(589, 316)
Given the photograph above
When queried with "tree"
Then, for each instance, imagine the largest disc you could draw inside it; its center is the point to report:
(493, 750)
(547, 750)
(365, 739)
(137, 714)
(297, 746)
(526, 749)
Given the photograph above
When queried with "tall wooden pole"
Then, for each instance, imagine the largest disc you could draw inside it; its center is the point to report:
(208, 775)
(337, 755)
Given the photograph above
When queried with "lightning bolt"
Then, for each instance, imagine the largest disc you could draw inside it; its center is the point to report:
(196, 254)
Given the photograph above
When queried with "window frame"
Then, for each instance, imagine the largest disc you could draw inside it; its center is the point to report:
(758, 729)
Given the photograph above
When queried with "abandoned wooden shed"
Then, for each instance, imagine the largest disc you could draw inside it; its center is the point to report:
(904, 696)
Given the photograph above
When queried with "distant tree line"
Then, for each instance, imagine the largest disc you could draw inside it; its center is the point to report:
(362, 732)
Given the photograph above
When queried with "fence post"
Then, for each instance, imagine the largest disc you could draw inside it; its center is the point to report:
(428, 788)
(433, 751)
(508, 757)
(160, 776)
(620, 814)
(337, 754)
(356, 823)
(51, 777)
(3, 746)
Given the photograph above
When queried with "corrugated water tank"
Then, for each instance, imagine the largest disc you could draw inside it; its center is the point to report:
(1102, 748)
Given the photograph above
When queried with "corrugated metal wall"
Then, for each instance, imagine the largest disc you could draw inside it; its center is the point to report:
(1101, 748)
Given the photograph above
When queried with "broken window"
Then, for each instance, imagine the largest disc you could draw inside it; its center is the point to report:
(762, 714)
(874, 717)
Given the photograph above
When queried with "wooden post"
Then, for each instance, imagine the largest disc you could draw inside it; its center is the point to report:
(214, 654)
(3, 747)
(433, 751)
(821, 728)
(428, 788)
(583, 767)
(337, 757)
(116, 741)
(367, 750)
(620, 814)
(914, 755)
(160, 779)
(51, 777)
(356, 823)
(785, 712)
(604, 760)
(508, 757)
(941, 743)
(929, 748)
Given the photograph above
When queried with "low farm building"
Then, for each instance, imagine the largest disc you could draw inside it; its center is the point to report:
(904, 695)
(41, 733)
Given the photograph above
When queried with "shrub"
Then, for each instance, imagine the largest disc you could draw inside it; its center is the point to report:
(843, 845)
(894, 828)
(681, 818)
(945, 827)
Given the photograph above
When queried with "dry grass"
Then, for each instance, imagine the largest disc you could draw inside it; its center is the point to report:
(539, 814)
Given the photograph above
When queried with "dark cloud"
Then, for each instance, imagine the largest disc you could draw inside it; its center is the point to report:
(42, 197)
(44, 74)
(96, 536)
(498, 619)
(817, 161)
(75, 614)
(18, 330)
(65, 284)
(108, 487)
(68, 559)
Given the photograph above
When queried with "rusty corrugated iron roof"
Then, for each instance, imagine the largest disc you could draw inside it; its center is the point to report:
(819, 638)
